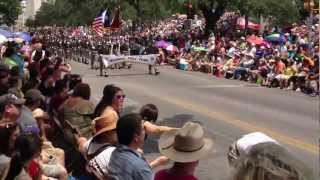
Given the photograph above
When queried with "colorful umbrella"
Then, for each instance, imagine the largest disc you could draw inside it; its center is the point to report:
(257, 40)
(275, 38)
(162, 44)
(172, 48)
(3, 39)
(23, 35)
(6, 33)
(251, 25)
(18, 40)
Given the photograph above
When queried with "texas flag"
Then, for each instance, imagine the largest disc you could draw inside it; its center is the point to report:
(116, 21)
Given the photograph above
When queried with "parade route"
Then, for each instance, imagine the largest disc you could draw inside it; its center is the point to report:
(226, 108)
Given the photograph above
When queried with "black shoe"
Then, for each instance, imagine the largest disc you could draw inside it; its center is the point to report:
(157, 73)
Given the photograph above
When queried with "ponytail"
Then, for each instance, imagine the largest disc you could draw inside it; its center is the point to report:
(100, 107)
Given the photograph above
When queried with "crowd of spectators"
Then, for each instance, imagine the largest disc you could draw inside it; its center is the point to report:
(290, 60)
(50, 128)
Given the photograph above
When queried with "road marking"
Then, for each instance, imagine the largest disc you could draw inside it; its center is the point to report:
(227, 86)
(243, 125)
(220, 86)
(228, 118)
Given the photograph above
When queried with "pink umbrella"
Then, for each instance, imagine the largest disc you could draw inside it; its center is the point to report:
(251, 25)
(172, 48)
(257, 40)
(162, 44)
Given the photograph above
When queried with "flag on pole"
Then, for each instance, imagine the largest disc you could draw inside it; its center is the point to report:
(116, 21)
(107, 19)
(98, 23)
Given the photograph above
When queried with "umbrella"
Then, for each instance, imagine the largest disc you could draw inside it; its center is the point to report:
(3, 39)
(6, 33)
(172, 48)
(257, 40)
(275, 38)
(18, 40)
(162, 44)
(254, 40)
(23, 35)
(251, 25)
(200, 49)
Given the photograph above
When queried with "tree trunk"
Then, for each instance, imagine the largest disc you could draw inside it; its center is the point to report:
(136, 5)
(246, 22)
(212, 17)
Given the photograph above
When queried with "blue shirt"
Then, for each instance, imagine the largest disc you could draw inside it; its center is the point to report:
(27, 122)
(127, 164)
(20, 62)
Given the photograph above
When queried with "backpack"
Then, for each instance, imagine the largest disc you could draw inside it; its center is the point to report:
(94, 167)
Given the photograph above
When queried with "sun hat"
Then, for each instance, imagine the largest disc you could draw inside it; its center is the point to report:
(186, 144)
(103, 124)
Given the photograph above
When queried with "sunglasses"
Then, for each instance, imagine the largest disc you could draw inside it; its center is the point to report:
(120, 96)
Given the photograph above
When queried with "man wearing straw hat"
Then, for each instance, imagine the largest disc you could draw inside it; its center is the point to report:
(185, 147)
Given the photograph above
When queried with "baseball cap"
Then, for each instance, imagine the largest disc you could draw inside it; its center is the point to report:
(34, 95)
(9, 99)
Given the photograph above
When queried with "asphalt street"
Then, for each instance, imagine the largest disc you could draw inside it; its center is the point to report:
(227, 109)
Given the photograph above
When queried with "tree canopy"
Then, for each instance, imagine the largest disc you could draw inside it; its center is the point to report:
(82, 12)
(9, 11)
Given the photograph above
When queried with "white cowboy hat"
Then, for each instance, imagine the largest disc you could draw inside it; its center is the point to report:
(186, 144)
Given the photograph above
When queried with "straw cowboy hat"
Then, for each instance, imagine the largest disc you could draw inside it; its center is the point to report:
(103, 124)
(186, 144)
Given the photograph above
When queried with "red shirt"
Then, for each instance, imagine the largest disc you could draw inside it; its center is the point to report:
(165, 175)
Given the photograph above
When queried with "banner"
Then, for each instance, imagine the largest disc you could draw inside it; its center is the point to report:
(109, 60)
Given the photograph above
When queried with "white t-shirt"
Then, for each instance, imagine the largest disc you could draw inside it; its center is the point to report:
(99, 164)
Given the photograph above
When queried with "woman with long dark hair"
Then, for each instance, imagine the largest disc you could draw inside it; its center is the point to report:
(112, 100)
(27, 148)
(8, 135)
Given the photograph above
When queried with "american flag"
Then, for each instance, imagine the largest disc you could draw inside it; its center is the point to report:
(98, 23)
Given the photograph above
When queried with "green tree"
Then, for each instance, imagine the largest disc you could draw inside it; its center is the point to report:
(82, 12)
(30, 23)
(212, 11)
(282, 13)
(9, 11)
